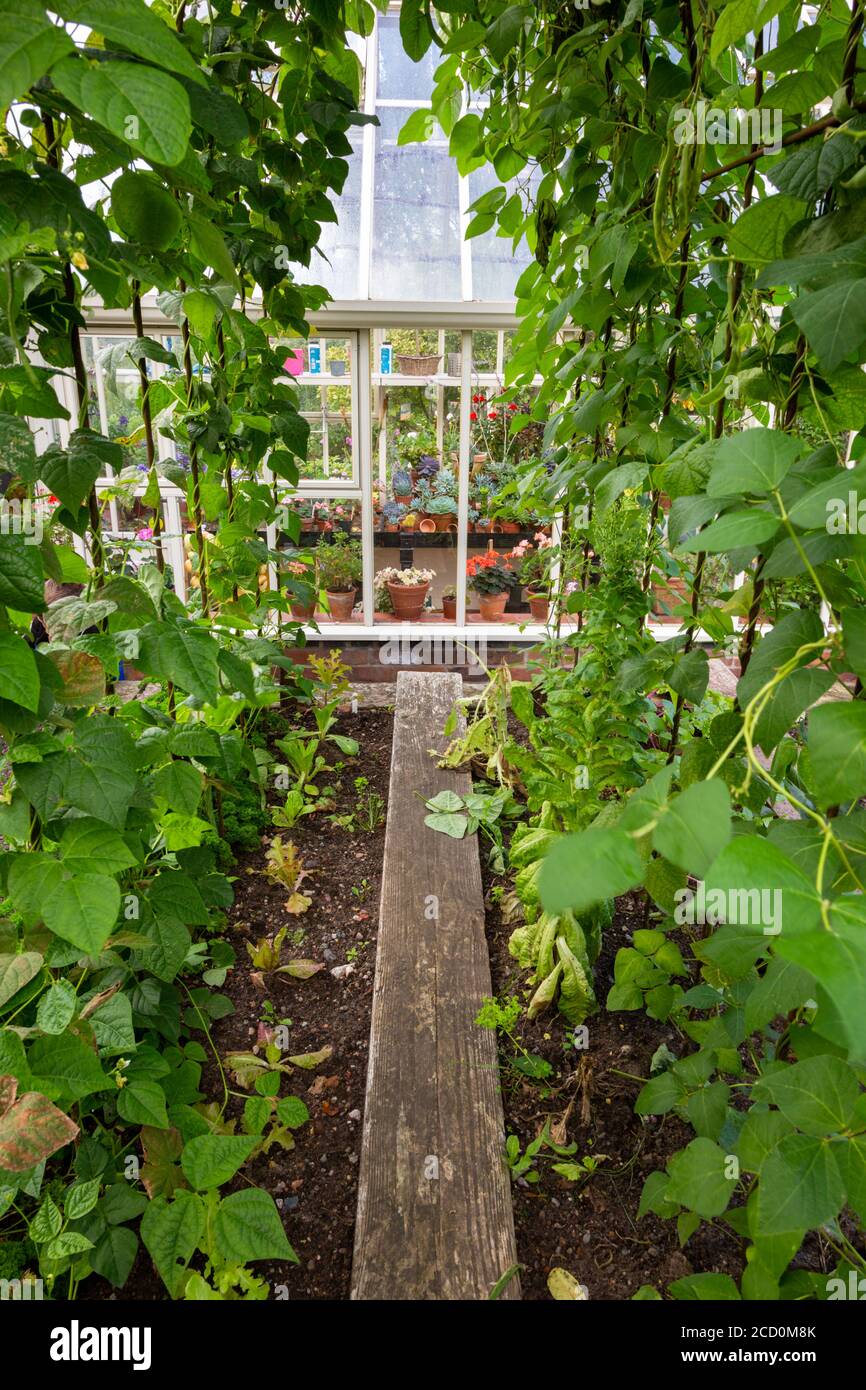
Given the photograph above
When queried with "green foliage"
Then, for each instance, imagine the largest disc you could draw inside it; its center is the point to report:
(214, 156)
(635, 779)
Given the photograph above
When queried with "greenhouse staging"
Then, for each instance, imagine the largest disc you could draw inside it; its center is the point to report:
(432, 658)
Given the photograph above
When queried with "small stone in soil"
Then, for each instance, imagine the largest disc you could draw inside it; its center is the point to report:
(340, 972)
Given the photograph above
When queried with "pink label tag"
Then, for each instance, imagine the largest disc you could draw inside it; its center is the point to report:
(294, 363)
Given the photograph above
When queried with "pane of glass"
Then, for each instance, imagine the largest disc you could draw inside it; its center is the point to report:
(496, 268)
(335, 262)
(326, 560)
(114, 394)
(416, 223)
(398, 76)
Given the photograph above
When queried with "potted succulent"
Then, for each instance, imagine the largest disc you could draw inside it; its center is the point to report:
(426, 469)
(402, 486)
(491, 578)
(392, 514)
(443, 511)
(408, 590)
(302, 590)
(339, 574)
(449, 602)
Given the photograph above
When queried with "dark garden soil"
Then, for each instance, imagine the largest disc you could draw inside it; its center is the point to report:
(592, 1230)
(314, 1184)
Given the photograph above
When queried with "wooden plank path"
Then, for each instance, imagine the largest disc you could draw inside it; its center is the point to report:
(434, 1203)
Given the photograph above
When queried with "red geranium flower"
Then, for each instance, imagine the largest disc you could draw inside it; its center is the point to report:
(511, 405)
(473, 415)
(491, 414)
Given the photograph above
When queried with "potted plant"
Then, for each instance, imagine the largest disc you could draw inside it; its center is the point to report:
(491, 578)
(534, 571)
(339, 574)
(449, 602)
(408, 590)
(302, 590)
(402, 486)
(426, 469)
(322, 516)
(392, 515)
(443, 511)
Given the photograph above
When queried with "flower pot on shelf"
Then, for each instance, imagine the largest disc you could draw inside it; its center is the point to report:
(392, 526)
(539, 606)
(492, 607)
(341, 604)
(427, 524)
(403, 497)
(483, 524)
(407, 600)
(449, 608)
(511, 528)
(304, 611)
(668, 595)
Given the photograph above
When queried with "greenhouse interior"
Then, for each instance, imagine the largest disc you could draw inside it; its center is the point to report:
(432, 661)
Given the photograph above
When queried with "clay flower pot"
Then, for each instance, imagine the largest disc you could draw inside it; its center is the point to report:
(510, 528)
(492, 606)
(404, 497)
(407, 600)
(427, 524)
(539, 606)
(391, 526)
(304, 611)
(449, 608)
(341, 605)
(444, 523)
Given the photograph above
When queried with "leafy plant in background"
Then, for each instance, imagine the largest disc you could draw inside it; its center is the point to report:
(672, 338)
(114, 814)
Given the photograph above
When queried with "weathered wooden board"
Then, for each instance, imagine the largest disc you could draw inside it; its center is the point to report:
(434, 1202)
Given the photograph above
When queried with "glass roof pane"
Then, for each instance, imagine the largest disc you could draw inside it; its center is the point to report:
(398, 78)
(495, 266)
(416, 219)
(339, 240)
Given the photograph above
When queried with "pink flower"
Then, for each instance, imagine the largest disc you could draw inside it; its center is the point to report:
(145, 534)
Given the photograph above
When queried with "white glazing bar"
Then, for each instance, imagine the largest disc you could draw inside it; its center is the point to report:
(463, 471)
(364, 432)
(173, 543)
(440, 398)
(368, 161)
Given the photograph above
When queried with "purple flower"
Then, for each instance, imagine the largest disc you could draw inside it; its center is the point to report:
(123, 420)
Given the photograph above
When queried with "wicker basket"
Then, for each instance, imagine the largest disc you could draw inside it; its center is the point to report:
(418, 366)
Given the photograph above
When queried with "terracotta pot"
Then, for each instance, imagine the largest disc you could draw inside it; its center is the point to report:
(322, 525)
(391, 526)
(539, 606)
(444, 523)
(668, 595)
(407, 600)
(404, 497)
(427, 525)
(341, 605)
(484, 525)
(492, 607)
(452, 526)
(510, 528)
(304, 611)
(449, 608)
